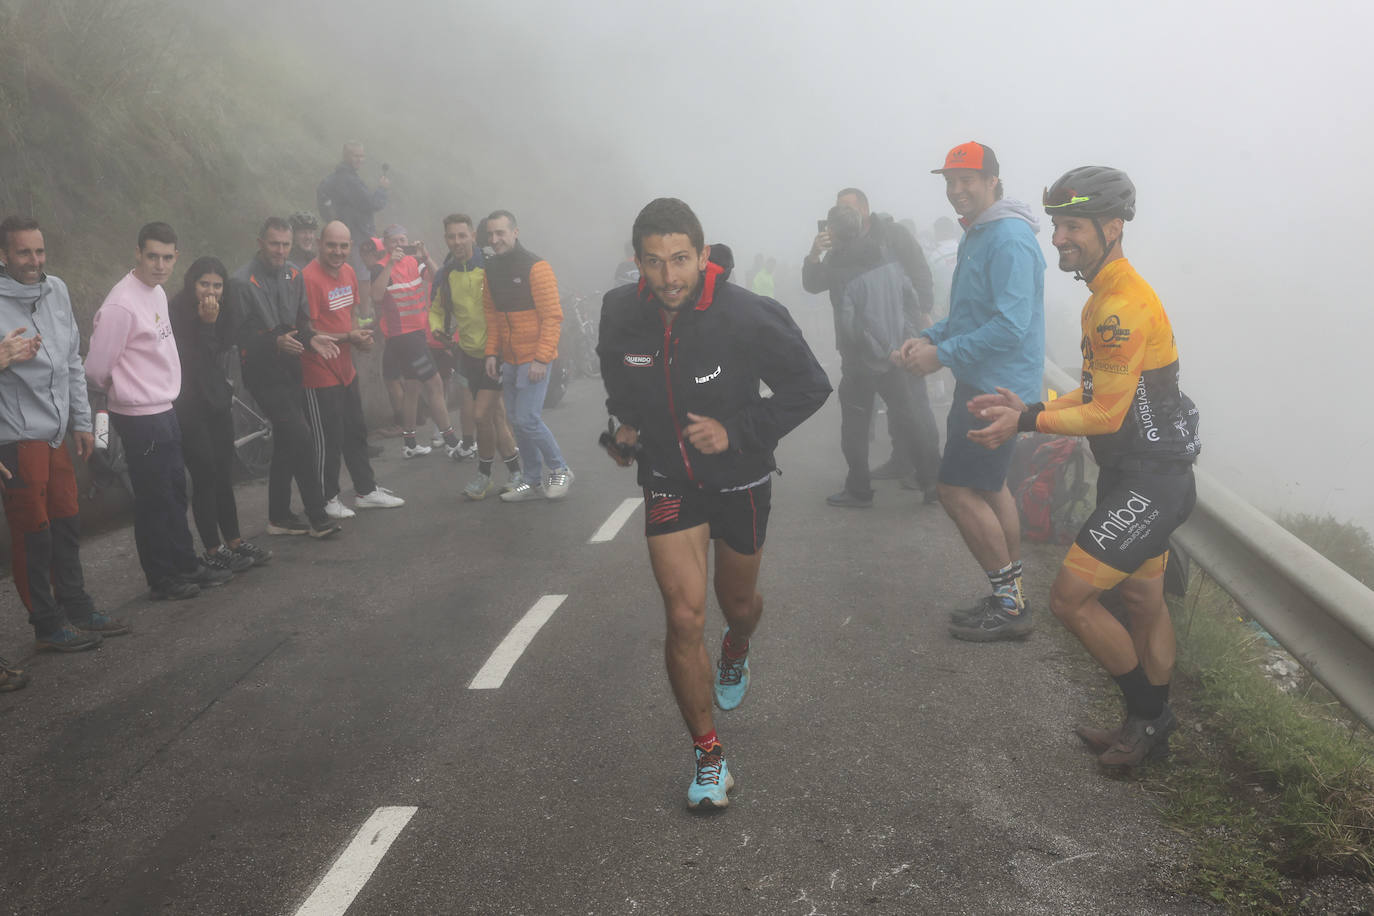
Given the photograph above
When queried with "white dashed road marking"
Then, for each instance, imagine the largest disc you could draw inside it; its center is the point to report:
(612, 525)
(335, 892)
(494, 672)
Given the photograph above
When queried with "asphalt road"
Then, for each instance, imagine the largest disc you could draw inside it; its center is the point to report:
(223, 757)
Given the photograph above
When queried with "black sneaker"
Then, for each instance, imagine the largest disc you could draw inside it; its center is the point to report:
(207, 576)
(11, 678)
(224, 558)
(995, 624)
(290, 525)
(846, 500)
(892, 469)
(260, 556)
(1141, 740)
(324, 529)
(173, 590)
(103, 624)
(986, 605)
(67, 639)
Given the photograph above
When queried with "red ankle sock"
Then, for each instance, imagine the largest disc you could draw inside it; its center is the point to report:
(733, 647)
(706, 741)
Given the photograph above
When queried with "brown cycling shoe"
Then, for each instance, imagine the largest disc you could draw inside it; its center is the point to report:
(1140, 740)
(1098, 739)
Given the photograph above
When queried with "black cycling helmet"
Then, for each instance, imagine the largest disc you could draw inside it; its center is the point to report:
(1092, 191)
(303, 219)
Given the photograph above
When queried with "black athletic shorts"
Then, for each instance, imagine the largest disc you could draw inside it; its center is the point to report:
(1128, 533)
(474, 369)
(739, 517)
(444, 361)
(407, 356)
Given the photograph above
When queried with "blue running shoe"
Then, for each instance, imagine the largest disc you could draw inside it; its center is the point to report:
(712, 782)
(732, 678)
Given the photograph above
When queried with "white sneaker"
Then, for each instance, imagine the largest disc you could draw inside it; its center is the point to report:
(336, 509)
(558, 483)
(437, 439)
(416, 452)
(378, 499)
(522, 492)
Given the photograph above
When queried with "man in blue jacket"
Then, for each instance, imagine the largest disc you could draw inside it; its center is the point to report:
(994, 336)
(42, 400)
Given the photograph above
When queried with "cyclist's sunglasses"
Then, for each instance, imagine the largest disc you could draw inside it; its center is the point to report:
(1063, 197)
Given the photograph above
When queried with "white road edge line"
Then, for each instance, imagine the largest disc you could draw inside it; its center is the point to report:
(355, 865)
(493, 673)
(612, 525)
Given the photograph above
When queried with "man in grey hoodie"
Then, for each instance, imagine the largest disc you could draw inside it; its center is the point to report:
(41, 398)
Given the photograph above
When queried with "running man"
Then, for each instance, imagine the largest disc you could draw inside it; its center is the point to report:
(1144, 435)
(687, 397)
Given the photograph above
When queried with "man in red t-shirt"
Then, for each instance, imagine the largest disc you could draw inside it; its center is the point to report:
(333, 406)
(400, 287)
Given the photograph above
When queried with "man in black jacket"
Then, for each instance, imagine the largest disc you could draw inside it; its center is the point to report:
(272, 324)
(862, 255)
(682, 355)
(344, 196)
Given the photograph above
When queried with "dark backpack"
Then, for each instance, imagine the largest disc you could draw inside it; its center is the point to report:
(1050, 488)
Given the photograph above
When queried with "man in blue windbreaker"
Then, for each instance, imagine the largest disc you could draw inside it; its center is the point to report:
(994, 336)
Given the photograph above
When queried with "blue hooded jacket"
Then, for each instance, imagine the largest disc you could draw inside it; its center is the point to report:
(995, 332)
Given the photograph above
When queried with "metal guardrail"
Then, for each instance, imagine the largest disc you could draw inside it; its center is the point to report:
(1316, 610)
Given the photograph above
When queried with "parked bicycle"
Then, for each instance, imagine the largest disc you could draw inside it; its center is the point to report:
(110, 467)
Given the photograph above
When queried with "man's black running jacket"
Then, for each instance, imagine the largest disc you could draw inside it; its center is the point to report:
(709, 362)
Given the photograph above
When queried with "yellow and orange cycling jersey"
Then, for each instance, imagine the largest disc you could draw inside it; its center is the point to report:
(1129, 405)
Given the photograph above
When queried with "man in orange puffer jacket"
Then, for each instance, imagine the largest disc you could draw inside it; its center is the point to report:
(524, 319)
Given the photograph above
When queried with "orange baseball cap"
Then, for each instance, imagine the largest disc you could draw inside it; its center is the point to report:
(970, 155)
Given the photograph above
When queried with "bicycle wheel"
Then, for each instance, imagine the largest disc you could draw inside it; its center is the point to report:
(558, 382)
(252, 440)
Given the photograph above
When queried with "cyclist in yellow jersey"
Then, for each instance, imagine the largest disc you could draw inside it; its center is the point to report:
(1143, 433)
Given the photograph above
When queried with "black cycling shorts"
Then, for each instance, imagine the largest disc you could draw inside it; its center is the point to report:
(739, 517)
(407, 356)
(1128, 533)
(474, 369)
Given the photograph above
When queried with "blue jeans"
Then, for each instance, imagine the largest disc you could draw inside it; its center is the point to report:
(525, 408)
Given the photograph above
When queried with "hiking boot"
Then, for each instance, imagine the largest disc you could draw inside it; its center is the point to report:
(224, 558)
(712, 782)
(336, 509)
(173, 590)
(892, 469)
(260, 556)
(11, 678)
(846, 500)
(478, 487)
(67, 638)
(989, 604)
(1141, 740)
(292, 524)
(102, 624)
(207, 576)
(997, 623)
(380, 498)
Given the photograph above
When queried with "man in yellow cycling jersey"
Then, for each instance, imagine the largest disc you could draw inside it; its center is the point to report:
(1144, 436)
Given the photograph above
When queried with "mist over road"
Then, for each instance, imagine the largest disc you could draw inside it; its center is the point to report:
(220, 759)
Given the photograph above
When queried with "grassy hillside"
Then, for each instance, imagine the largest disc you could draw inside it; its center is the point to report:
(213, 116)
